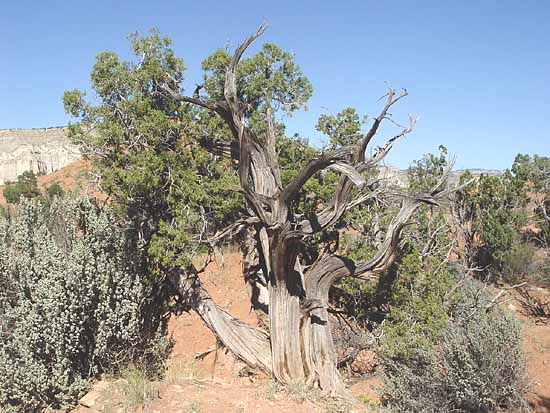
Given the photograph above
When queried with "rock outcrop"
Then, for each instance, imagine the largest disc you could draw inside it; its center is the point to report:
(42, 151)
(48, 149)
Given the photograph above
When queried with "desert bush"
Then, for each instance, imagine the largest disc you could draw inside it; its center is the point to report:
(417, 313)
(25, 186)
(73, 303)
(475, 365)
(54, 190)
(518, 263)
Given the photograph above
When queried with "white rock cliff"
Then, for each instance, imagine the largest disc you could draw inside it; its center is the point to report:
(40, 150)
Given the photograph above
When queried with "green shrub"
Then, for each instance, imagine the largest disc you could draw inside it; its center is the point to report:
(476, 364)
(55, 190)
(518, 263)
(73, 303)
(25, 186)
(417, 303)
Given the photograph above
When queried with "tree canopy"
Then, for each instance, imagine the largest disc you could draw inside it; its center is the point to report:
(192, 171)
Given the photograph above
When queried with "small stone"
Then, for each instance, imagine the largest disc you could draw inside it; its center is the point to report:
(89, 399)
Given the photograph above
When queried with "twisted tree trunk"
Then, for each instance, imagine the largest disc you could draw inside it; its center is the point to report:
(298, 346)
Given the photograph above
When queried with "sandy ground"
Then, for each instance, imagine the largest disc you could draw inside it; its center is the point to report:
(218, 383)
(536, 339)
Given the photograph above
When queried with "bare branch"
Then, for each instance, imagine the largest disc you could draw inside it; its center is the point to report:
(230, 88)
(386, 253)
(363, 198)
(315, 165)
(340, 202)
(232, 229)
(495, 301)
(350, 172)
(384, 150)
(199, 102)
(374, 128)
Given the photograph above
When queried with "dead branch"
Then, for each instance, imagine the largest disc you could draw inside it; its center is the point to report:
(390, 101)
(495, 301)
(231, 230)
(534, 307)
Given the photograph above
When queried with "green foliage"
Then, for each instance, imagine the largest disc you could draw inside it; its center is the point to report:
(408, 287)
(267, 80)
(269, 77)
(496, 210)
(344, 128)
(25, 186)
(294, 153)
(492, 206)
(54, 190)
(518, 263)
(476, 366)
(418, 295)
(534, 170)
(74, 302)
(438, 337)
(145, 146)
(426, 172)
(532, 175)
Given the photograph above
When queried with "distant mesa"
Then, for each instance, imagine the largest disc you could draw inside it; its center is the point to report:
(42, 151)
(46, 150)
(399, 177)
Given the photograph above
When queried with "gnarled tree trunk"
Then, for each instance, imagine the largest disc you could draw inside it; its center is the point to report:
(298, 346)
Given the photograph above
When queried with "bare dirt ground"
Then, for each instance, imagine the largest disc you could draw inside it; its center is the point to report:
(536, 344)
(218, 383)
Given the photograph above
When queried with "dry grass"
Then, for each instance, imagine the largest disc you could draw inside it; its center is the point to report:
(137, 390)
(192, 406)
(179, 370)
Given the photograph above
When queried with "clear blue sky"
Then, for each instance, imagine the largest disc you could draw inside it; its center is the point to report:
(478, 72)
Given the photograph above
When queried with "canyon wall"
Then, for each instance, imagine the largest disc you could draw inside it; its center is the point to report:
(42, 151)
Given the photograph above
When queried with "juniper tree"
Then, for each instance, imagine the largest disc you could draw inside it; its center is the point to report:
(166, 157)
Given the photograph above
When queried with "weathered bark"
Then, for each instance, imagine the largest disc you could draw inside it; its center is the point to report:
(249, 344)
(300, 346)
(316, 331)
(254, 272)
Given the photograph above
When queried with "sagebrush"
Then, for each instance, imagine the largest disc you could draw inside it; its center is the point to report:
(73, 303)
(475, 366)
